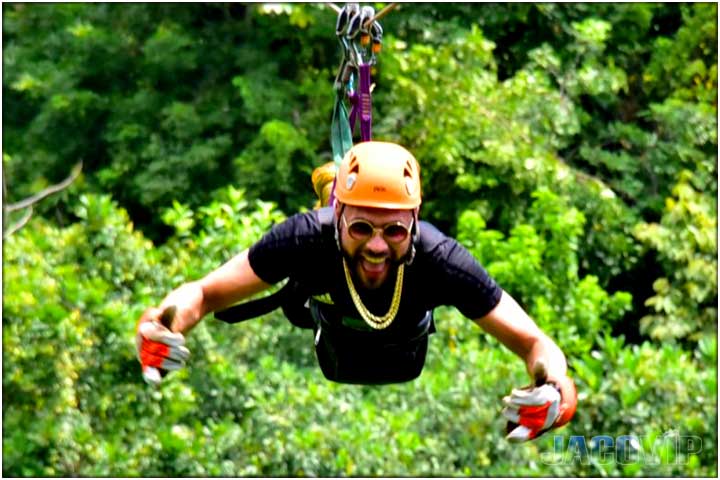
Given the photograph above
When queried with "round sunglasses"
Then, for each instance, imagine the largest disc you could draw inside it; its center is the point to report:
(392, 232)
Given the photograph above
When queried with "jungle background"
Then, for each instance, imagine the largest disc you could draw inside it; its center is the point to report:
(571, 147)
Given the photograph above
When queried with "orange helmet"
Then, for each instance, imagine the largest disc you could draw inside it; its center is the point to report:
(380, 175)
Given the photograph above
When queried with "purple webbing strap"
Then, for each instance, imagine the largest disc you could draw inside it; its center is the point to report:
(354, 99)
(365, 103)
(331, 199)
(361, 101)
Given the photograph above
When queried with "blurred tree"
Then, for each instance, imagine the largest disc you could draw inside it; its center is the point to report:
(685, 302)
(253, 403)
(538, 264)
(155, 101)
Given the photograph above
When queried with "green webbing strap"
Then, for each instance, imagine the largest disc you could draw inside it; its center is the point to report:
(340, 134)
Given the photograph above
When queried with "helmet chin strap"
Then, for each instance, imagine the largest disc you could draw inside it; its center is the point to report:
(410, 256)
(337, 228)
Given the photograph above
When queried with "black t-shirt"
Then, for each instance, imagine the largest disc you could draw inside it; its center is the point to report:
(442, 273)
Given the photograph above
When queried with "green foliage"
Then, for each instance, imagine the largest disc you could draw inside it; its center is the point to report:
(656, 394)
(71, 297)
(641, 165)
(607, 248)
(538, 264)
(156, 101)
(277, 166)
(215, 232)
(685, 302)
(472, 133)
(493, 143)
(253, 403)
(685, 66)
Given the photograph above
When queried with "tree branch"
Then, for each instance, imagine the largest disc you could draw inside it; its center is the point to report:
(28, 202)
(378, 16)
(19, 224)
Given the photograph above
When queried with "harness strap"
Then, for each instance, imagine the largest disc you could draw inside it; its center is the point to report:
(340, 133)
(254, 308)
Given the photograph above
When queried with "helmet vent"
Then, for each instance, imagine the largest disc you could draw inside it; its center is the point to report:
(409, 185)
(409, 168)
(408, 174)
(354, 166)
(409, 180)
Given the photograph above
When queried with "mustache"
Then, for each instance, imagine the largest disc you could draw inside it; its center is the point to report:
(395, 261)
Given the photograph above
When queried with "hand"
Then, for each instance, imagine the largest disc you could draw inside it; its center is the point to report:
(159, 350)
(533, 410)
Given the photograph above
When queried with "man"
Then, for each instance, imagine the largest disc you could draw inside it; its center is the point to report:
(366, 276)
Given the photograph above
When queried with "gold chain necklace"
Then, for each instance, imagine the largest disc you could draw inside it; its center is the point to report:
(374, 321)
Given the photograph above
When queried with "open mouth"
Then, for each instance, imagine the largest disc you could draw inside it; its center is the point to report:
(374, 266)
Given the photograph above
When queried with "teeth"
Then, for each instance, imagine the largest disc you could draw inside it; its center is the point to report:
(375, 261)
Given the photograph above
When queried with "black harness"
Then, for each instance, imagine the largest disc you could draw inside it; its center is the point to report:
(346, 352)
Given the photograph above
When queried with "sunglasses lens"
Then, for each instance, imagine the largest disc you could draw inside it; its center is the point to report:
(395, 233)
(364, 230)
(360, 230)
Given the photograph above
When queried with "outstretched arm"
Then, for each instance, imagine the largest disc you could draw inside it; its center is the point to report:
(509, 323)
(160, 349)
(233, 281)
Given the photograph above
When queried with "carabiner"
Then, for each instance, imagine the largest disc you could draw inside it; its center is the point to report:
(358, 57)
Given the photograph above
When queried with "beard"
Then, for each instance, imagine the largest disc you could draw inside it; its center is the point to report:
(370, 270)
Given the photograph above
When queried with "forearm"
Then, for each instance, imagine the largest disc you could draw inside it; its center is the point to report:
(233, 281)
(510, 324)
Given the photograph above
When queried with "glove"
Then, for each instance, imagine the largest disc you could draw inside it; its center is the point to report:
(159, 350)
(531, 411)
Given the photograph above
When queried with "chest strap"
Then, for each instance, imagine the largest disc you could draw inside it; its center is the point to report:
(254, 308)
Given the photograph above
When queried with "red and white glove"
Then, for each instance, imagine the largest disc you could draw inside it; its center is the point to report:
(531, 411)
(159, 350)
